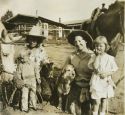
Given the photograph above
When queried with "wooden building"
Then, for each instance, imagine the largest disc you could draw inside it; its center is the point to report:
(23, 24)
(76, 24)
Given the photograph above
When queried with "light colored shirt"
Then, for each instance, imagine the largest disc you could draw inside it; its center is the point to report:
(28, 70)
(36, 55)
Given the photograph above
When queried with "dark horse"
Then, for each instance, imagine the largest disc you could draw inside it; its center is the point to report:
(108, 24)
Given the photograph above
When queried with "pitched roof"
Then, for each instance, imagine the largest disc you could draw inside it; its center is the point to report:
(22, 18)
(74, 22)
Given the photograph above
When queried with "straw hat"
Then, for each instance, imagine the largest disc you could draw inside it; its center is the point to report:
(35, 34)
(85, 36)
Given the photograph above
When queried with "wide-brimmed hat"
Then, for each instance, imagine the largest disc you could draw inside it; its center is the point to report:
(85, 35)
(35, 34)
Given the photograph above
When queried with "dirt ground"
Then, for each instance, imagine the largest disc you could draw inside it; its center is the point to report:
(58, 54)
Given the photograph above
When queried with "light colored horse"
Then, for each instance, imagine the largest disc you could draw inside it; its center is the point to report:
(7, 53)
(7, 62)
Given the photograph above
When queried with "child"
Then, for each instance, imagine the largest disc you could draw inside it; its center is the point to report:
(101, 84)
(29, 73)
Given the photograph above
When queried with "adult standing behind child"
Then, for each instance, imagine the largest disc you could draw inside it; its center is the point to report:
(101, 83)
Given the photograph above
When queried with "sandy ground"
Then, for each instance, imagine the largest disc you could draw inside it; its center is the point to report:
(58, 54)
(47, 110)
(116, 104)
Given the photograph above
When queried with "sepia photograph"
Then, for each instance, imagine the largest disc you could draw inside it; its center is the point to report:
(62, 57)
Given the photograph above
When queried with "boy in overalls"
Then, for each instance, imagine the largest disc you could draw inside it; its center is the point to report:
(29, 73)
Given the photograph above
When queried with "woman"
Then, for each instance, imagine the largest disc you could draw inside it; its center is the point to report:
(79, 94)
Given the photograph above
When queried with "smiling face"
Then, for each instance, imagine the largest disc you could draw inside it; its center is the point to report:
(80, 43)
(100, 48)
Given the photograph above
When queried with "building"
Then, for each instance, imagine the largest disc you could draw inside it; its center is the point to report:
(76, 24)
(23, 24)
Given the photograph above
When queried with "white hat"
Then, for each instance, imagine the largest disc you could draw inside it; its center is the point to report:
(36, 33)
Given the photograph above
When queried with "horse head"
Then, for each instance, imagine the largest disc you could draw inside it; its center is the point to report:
(5, 36)
(110, 24)
(118, 5)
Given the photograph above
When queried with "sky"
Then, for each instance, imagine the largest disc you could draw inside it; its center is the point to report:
(67, 10)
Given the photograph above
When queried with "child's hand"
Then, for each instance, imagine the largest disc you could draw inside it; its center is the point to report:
(103, 75)
(96, 71)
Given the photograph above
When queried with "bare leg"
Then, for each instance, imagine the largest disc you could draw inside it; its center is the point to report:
(103, 106)
(96, 106)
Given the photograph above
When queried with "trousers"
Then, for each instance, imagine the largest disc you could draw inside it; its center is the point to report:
(29, 94)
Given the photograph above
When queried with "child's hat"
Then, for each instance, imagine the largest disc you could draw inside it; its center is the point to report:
(35, 34)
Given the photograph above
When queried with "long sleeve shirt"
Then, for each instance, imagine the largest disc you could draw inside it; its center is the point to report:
(28, 71)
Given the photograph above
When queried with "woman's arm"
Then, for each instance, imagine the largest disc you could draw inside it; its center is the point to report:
(91, 62)
(68, 61)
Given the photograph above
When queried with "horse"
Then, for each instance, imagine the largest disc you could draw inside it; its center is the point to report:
(108, 24)
(111, 23)
(8, 66)
(64, 84)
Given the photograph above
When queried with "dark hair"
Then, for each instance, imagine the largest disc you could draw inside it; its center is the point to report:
(85, 36)
(36, 39)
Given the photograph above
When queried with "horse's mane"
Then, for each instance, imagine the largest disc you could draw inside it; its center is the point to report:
(117, 5)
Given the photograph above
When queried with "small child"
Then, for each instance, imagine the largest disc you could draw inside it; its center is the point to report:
(101, 84)
(29, 73)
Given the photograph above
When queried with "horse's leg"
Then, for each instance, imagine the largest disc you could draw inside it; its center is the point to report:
(4, 95)
(12, 96)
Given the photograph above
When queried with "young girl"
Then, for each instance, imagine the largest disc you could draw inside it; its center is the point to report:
(101, 84)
